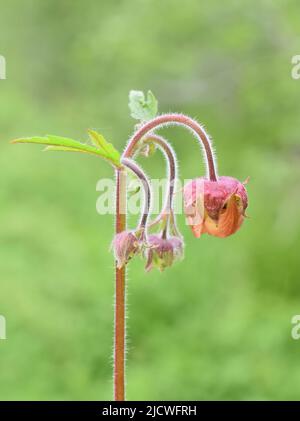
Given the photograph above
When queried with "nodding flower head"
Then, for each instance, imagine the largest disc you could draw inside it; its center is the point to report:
(215, 207)
(162, 252)
(125, 245)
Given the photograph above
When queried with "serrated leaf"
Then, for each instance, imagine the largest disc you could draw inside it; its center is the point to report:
(57, 143)
(141, 108)
(103, 145)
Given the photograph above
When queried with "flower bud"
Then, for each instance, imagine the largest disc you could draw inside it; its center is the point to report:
(125, 246)
(215, 207)
(162, 252)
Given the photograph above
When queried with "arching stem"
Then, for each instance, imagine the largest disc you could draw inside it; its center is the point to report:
(171, 158)
(147, 128)
(182, 120)
(167, 211)
(133, 166)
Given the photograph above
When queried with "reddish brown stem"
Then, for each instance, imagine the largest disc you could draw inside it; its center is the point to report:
(167, 119)
(146, 186)
(171, 157)
(119, 340)
(147, 128)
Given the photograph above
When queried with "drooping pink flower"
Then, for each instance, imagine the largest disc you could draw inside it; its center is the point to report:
(215, 207)
(125, 246)
(162, 252)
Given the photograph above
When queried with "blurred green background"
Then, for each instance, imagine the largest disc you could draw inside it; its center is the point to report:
(218, 324)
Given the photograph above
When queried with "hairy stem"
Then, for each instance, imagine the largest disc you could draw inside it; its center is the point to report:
(171, 158)
(146, 185)
(147, 128)
(119, 339)
(120, 298)
(179, 119)
(167, 210)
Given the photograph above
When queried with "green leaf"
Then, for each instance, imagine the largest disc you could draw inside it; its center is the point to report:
(141, 108)
(62, 148)
(103, 145)
(57, 143)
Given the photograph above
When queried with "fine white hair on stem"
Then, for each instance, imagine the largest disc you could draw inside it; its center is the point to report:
(171, 160)
(126, 317)
(166, 120)
(133, 166)
(172, 174)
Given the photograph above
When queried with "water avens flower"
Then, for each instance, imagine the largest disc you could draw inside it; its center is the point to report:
(163, 252)
(215, 207)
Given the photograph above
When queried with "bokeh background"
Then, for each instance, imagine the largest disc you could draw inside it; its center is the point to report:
(218, 324)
